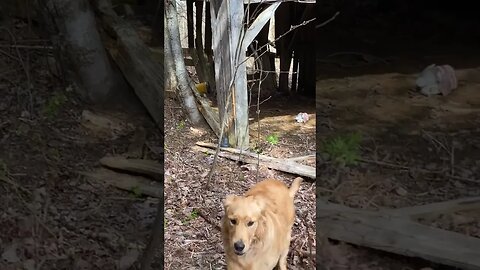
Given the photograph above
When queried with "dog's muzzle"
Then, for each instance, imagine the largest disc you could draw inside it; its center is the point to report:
(238, 247)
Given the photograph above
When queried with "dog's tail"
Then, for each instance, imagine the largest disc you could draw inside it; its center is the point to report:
(295, 186)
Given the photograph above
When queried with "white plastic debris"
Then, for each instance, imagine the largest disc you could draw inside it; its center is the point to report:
(434, 80)
(302, 117)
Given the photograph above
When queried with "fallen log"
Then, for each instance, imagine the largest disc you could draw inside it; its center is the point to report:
(140, 166)
(415, 212)
(283, 165)
(211, 116)
(134, 59)
(255, 155)
(137, 184)
(397, 234)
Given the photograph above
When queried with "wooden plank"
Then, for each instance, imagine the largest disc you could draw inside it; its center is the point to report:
(208, 29)
(238, 151)
(210, 115)
(127, 182)
(198, 53)
(222, 63)
(256, 155)
(141, 166)
(464, 204)
(272, 163)
(230, 70)
(258, 24)
(398, 235)
(135, 61)
(239, 73)
(190, 34)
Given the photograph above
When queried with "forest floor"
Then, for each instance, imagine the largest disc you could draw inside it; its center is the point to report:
(410, 149)
(51, 216)
(193, 212)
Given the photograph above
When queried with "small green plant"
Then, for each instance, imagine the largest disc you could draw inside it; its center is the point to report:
(193, 215)
(53, 104)
(181, 124)
(344, 150)
(272, 139)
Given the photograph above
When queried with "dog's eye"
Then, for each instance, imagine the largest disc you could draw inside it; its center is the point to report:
(233, 221)
(250, 223)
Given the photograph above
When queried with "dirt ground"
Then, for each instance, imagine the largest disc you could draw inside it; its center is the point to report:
(193, 213)
(51, 216)
(410, 143)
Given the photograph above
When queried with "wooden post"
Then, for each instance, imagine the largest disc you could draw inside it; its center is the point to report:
(230, 70)
(269, 83)
(295, 71)
(190, 34)
(197, 53)
(208, 29)
(284, 51)
(304, 44)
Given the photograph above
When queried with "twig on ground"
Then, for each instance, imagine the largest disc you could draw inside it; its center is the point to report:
(208, 220)
(452, 159)
(406, 168)
(7, 180)
(32, 47)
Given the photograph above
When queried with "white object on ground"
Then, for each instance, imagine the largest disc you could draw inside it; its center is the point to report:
(302, 117)
(434, 80)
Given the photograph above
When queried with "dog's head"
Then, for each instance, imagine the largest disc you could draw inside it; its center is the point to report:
(242, 222)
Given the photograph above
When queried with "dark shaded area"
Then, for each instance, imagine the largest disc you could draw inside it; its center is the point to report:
(396, 36)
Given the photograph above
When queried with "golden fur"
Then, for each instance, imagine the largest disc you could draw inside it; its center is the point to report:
(259, 225)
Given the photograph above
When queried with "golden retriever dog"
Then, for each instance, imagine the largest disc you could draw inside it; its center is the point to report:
(257, 226)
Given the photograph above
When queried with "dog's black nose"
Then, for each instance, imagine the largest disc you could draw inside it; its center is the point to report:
(239, 246)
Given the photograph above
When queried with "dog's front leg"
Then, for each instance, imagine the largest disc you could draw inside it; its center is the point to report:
(282, 262)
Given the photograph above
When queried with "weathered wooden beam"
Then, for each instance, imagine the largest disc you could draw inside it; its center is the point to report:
(208, 29)
(210, 115)
(284, 165)
(415, 212)
(283, 19)
(222, 60)
(127, 182)
(190, 33)
(140, 166)
(198, 54)
(254, 155)
(399, 235)
(135, 61)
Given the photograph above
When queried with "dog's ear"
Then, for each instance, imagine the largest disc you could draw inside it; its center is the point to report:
(229, 200)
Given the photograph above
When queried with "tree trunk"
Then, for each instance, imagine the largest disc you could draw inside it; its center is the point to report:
(171, 83)
(87, 58)
(184, 82)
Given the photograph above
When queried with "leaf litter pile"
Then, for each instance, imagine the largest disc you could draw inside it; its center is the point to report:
(193, 212)
(50, 216)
